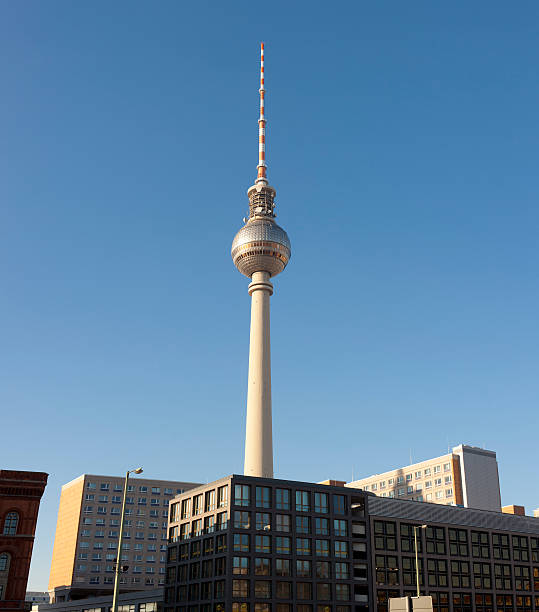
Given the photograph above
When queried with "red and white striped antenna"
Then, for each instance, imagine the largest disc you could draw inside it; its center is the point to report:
(261, 174)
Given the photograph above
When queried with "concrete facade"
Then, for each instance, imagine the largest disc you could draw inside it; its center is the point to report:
(87, 532)
(468, 476)
(20, 496)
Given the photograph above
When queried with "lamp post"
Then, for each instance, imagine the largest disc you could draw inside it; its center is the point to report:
(416, 527)
(118, 567)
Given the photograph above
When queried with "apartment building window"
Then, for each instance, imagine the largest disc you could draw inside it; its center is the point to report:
(480, 545)
(520, 548)
(342, 571)
(154, 502)
(116, 499)
(321, 526)
(263, 521)
(427, 472)
(283, 591)
(400, 479)
(282, 522)
(242, 495)
(240, 565)
(198, 504)
(534, 543)
(263, 544)
(437, 469)
(341, 549)
(458, 542)
(129, 500)
(524, 603)
(209, 524)
(303, 569)
(448, 479)
(391, 482)
(196, 528)
(282, 499)
(303, 546)
(437, 482)
(91, 485)
(302, 501)
(460, 574)
(502, 577)
(322, 548)
(262, 566)
(282, 567)
(449, 492)
(522, 578)
(103, 498)
(222, 521)
(210, 500)
(418, 475)
(339, 504)
(435, 539)
(323, 593)
(105, 486)
(374, 486)
(263, 497)
(366, 488)
(304, 590)
(186, 509)
(116, 511)
(282, 545)
(500, 546)
(303, 524)
(481, 576)
(462, 602)
(408, 571)
(407, 539)
(409, 490)
(88, 509)
(408, 477)
(428, 484)
(437, 572)
(384, 535)
(242, 520)
(89, 497)
(342, 592)
(195, 550)
(222, 497)
(241, 542)
(340, 528)
(240, 588)
(402, 491)
(321, 503)
(387, 570)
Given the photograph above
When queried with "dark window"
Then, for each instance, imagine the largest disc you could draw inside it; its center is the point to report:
(282, 567)
(342, 592)
(263, 589)
(263, 521)
(480, 545)
(303, 569)
(407, 538)
(240, 588)
(304, 590)
(322, 570)
(460, 574)
(240, 565)
(437, 572)
(241, 542)
(502, 577)
(458, 543)
(484, 602)
(321, 503)
(242, 495)
(221, 543)
(342, 571)
(482, 576)
(303, 524)
(387, 570)
(339, 504)
(262, 566)
(242, 520)
(341, 549)
(263, 497)
(522, 578)
(323, 591)
(322, 548)
(303, 546)
(321, 526)
(282, 545)
(408, 571)
(220, 566)
(340, 528)
(263, 544)
(282, 499)
(283, 590)
(384, 535)
(282, 522)
(10, 523)
(520, 548)
(462, 602)
(435, 538)
(302, 501)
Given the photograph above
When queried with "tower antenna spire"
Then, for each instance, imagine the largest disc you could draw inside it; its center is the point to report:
(262, 168)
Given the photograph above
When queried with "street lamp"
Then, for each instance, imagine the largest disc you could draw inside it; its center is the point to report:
(118, 567)
(416, 527)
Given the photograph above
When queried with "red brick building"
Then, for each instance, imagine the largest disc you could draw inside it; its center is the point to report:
(20, 494)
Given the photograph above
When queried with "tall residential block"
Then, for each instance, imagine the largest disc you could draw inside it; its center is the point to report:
(20, 496)
(468, 476)
(87, 532)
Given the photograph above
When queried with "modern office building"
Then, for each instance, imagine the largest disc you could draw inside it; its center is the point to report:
(468, 476)
(244, 544)
(20, 496)
(469, 560)
(87, 531)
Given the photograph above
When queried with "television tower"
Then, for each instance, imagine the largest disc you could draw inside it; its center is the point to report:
(260, 250)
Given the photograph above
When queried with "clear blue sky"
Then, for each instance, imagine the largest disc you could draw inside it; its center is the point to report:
(403, 144)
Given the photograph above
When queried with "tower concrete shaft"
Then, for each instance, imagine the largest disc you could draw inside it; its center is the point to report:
(258, 438)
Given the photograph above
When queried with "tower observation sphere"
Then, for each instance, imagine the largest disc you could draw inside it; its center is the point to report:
(260, 251)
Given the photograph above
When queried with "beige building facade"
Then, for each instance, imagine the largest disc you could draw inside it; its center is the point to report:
(467, 476)
(87, 534)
